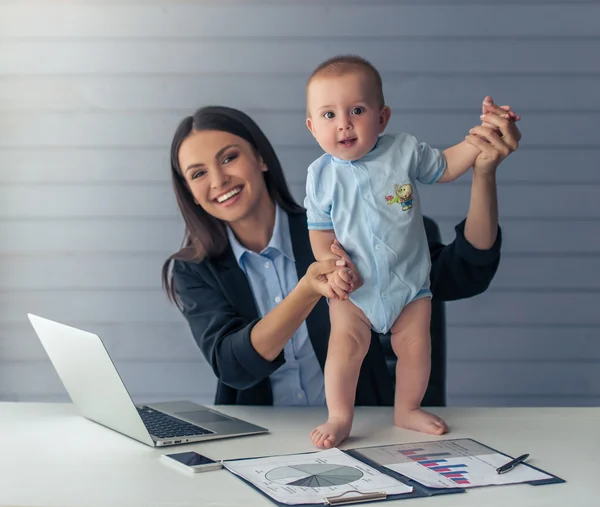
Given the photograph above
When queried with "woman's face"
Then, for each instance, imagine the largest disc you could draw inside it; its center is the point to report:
(223, 173)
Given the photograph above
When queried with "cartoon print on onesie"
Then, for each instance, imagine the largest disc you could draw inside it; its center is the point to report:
(404, 195)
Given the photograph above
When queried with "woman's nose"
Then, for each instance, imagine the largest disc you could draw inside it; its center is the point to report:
(218, 179)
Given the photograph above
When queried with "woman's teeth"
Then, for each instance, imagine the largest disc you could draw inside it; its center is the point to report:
(228, 195)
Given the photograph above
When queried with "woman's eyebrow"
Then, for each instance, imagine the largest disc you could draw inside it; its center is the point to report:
(219, 153)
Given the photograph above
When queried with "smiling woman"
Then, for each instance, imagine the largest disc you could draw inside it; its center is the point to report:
(216, 154)
(225, 176)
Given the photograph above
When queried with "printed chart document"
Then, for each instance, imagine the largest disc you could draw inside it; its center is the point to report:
(312, 477)
(462, 463)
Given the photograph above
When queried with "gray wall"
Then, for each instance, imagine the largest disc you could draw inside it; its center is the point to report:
(90, 94)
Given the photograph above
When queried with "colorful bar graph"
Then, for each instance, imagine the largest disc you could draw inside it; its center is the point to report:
(408, 452)
(428, 462)
(418, 457)
(435, 462)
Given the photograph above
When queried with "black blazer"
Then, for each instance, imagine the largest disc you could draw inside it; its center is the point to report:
(218, 304)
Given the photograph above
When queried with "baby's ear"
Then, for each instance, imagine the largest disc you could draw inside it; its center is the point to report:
(384, 117)
(310, 126)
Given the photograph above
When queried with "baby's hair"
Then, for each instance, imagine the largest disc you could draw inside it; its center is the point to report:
(344, 64)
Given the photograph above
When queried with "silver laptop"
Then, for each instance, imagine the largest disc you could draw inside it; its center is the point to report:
(97, 390)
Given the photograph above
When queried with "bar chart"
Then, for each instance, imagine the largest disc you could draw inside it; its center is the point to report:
(455, 463)
(436, 462)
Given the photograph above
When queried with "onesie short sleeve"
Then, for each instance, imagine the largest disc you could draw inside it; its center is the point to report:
(429, 163)
(317, 202)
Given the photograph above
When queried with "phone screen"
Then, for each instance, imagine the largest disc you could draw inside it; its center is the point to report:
(191, 458)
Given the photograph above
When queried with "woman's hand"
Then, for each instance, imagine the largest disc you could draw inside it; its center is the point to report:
(320, 278)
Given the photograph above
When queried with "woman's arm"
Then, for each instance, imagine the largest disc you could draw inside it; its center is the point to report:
(459, 270)
(243, 352)
(496, 140)
(467, 266)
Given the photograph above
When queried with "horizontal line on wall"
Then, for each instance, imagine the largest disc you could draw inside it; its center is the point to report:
(182, 323)
(551, 255)
(136, 254)
(142, 397)
(464, 182)
(63, 147)
(527, 325)
(125, 288)
(517, 396)
(169, 325)
(175, 217)
(437, 111)
(544, 290)
(303, 38)
(387, 74)
(485, 360)
(281, 3)
(201, 360)
(183, 360)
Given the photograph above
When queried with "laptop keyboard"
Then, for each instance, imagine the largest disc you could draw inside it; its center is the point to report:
(162, 425)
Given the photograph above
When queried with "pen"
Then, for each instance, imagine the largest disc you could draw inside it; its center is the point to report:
(511, 464)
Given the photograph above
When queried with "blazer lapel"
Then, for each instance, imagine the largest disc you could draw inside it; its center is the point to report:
(317, 321)
(236, 286)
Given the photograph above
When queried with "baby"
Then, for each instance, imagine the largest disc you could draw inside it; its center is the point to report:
(363, 193)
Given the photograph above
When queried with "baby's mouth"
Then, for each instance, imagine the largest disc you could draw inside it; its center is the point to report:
(348, 142)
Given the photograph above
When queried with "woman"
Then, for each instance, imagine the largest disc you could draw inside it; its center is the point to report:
(246, 279)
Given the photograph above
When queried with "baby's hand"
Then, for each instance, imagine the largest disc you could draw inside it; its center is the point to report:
(342, 282)
(488, 106)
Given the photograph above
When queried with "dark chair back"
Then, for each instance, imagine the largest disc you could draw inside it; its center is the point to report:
(435, 395)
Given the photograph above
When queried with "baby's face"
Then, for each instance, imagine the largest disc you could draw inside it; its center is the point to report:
(344, 116)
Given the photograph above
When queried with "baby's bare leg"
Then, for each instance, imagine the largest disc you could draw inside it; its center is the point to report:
(411, 343)
(348, 345)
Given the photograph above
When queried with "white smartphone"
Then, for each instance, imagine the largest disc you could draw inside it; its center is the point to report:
(191, 462)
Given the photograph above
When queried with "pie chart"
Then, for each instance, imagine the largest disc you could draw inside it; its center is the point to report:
(314, 475)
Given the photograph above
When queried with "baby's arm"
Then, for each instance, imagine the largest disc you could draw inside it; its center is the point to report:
(459, 159)
(341, 279)
(320, 242)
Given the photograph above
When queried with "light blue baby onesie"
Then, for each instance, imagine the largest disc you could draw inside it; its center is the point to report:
(373, 206)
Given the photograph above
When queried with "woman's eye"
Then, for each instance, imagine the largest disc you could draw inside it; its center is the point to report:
(197, 174)
(328, 115)
(358, 110)
(229, 158)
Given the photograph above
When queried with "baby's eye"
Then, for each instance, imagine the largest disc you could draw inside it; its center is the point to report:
(329, 115)
(358, 110)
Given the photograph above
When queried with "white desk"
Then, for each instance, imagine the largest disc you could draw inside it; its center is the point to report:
(49, 456)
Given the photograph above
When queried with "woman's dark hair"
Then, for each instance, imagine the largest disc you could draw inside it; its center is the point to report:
(205, 236)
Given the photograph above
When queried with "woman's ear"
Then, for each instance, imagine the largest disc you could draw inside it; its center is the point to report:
(263, 166)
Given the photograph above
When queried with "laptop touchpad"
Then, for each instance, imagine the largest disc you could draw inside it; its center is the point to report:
(202, 416)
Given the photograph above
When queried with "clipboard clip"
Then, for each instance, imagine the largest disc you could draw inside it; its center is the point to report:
(361, 497)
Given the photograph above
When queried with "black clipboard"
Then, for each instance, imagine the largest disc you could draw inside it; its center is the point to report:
(411, 482)
(356, 496)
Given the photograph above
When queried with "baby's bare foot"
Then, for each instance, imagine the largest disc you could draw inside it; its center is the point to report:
(332, 433)
(419, 420)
